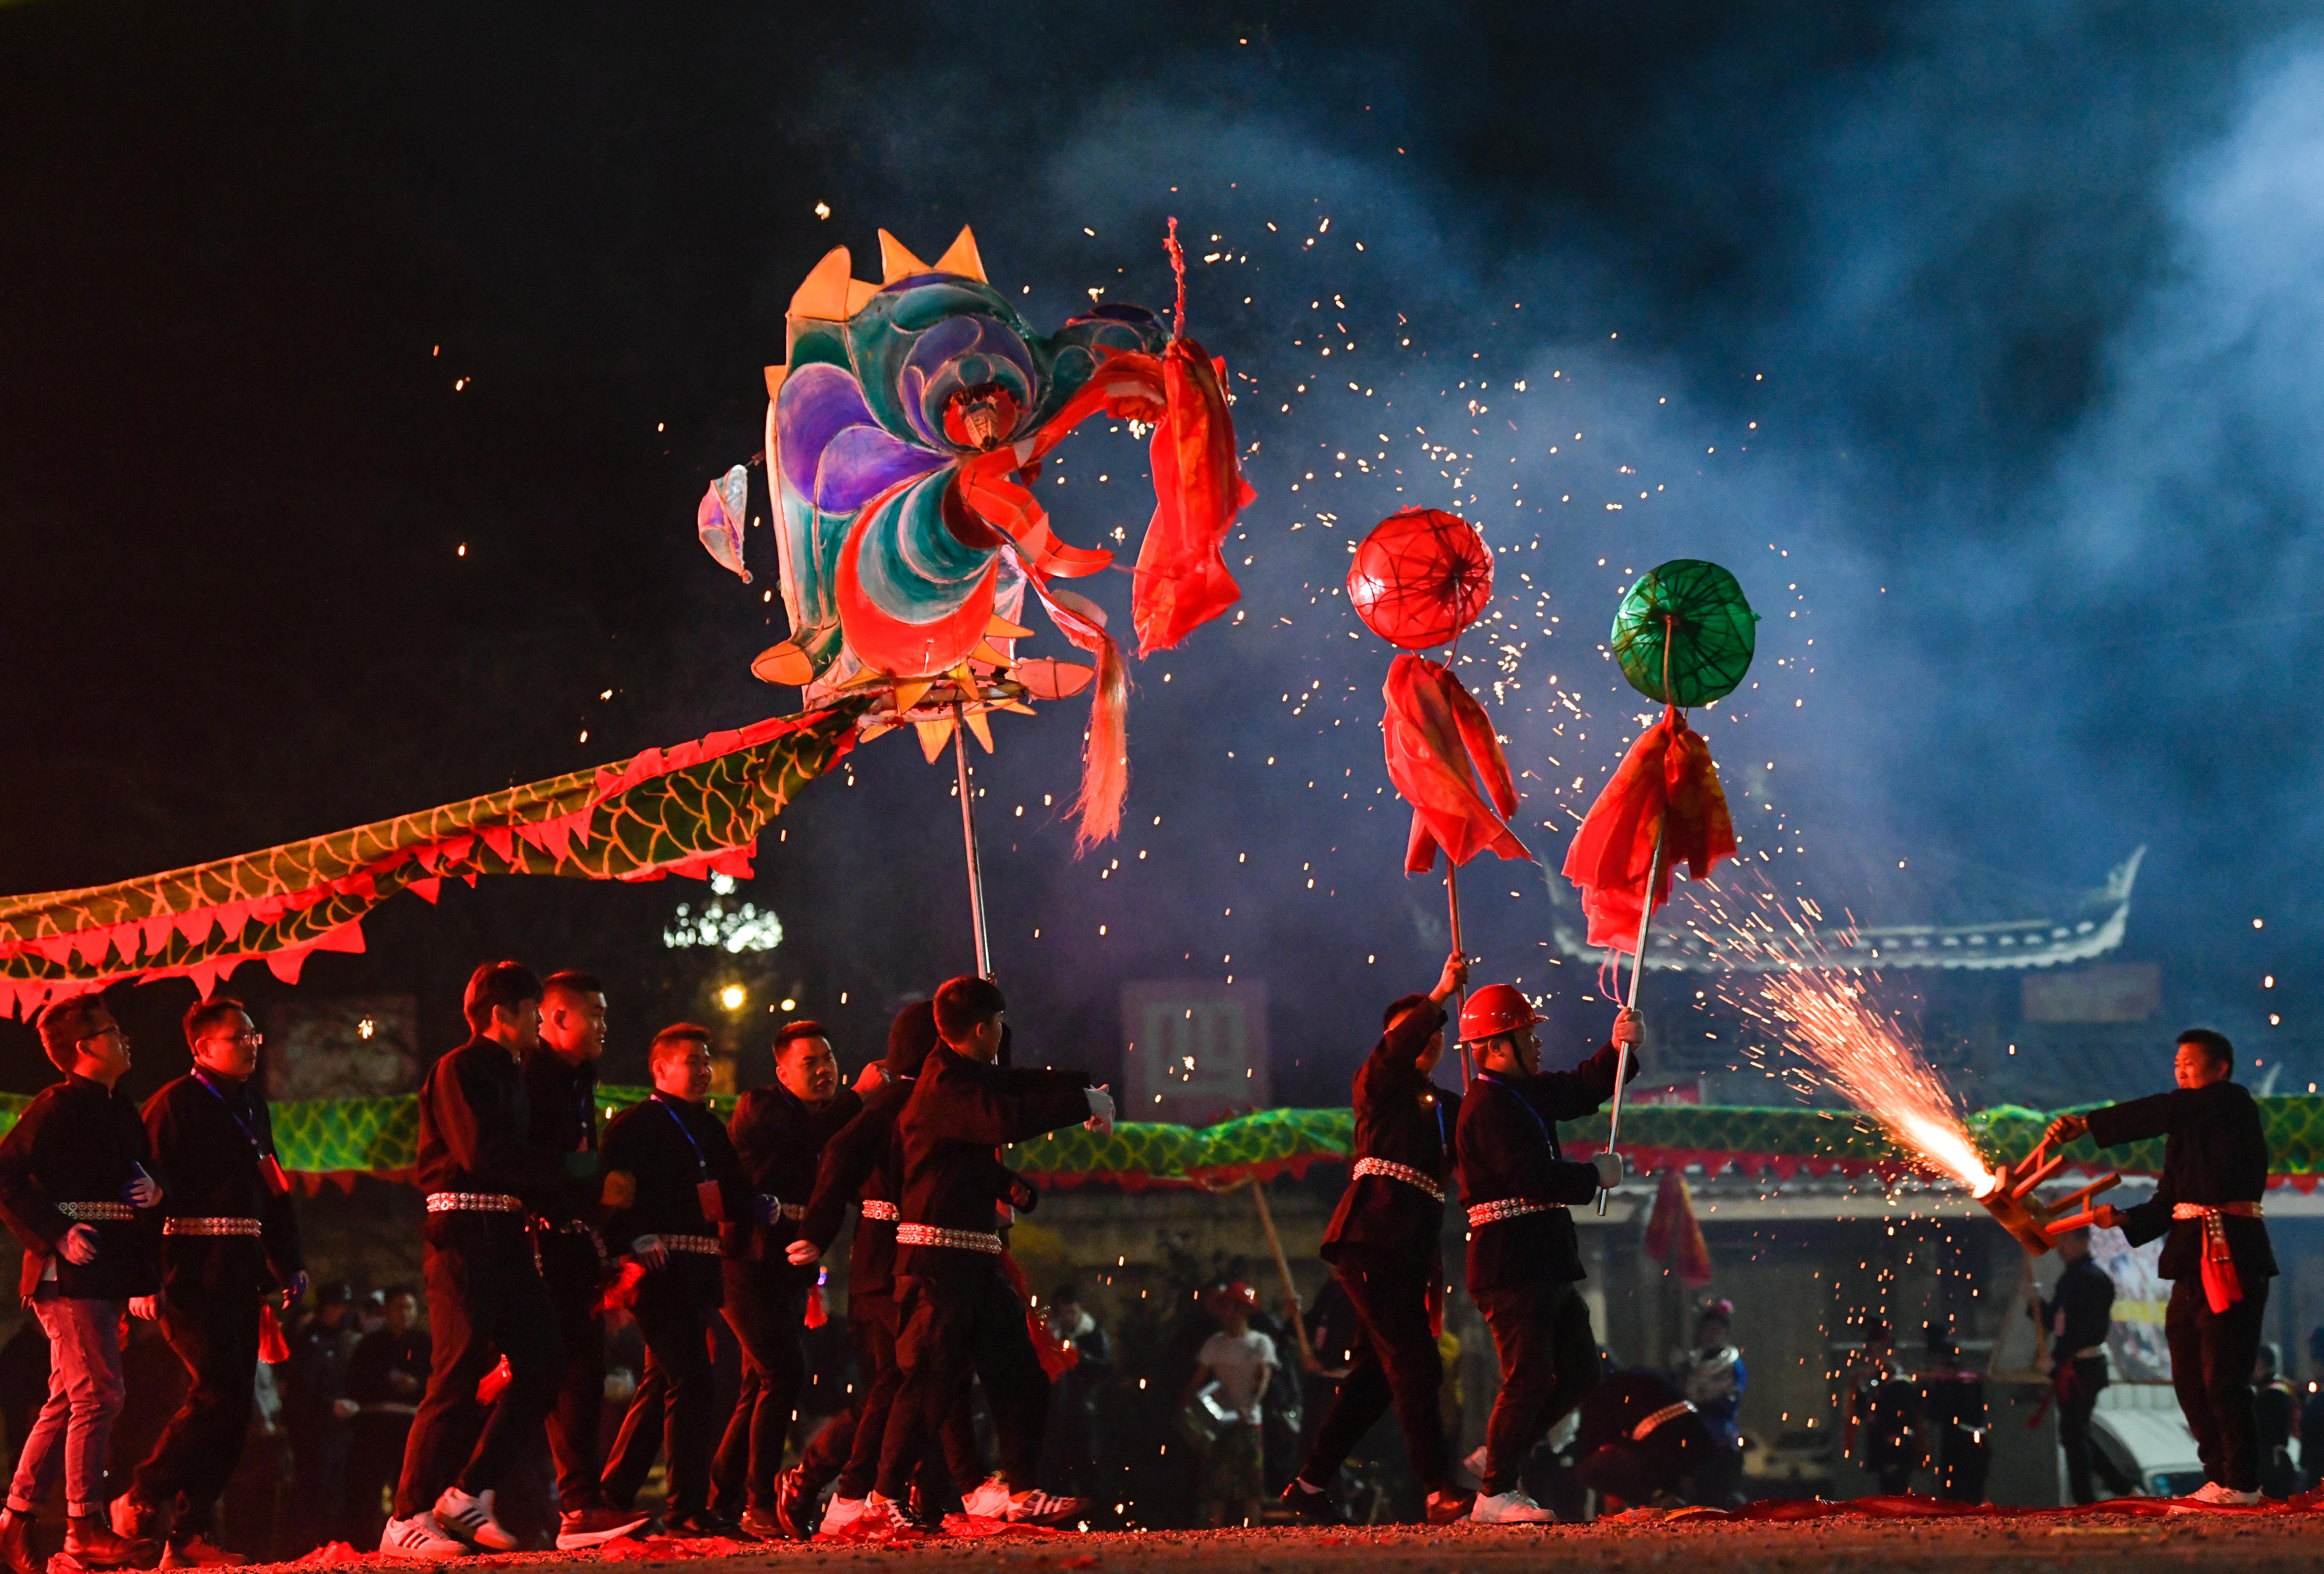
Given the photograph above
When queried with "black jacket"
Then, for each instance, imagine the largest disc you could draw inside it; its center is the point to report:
(1507, 1148)
(475, 1135)
(959, 1112)
(666, 1148)
(1402, 1116)
(780, 1138)
(77, 1142)
(2078, 1316)
(561, 1114)
(209, 1133)
(861, 1164)
(378, 1357)
(2215, 1151)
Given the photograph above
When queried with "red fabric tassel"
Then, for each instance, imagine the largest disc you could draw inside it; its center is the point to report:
(2222, 1285)
(494, 1383)
(1667, 776)
(1439, 742)
(1675, 1234)
(1105, 756)
(818, 1312)
(1183, 580)
(273, 1347)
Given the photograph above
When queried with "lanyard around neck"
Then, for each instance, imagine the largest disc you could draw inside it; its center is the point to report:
(232, 1113)
(701, 1164)
(1523, 1103)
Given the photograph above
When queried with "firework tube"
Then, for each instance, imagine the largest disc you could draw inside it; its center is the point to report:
(1638, 971)
(2038, 1176)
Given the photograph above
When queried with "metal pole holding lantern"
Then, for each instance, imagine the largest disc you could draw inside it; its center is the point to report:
(968, 842)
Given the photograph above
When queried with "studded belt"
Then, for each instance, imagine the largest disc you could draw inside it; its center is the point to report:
(473, 1202)
(2214, 1219)
(1668, 1412)
(209, 1227)
(794, 1211)
(929, 1235)
(1509, 1208)
(700, 1246)
(1390, 1168)
(98, 1212)
(875, 1209)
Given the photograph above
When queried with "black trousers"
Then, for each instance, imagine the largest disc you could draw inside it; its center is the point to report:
(676, 1409)
(961, 1320)
(484, 1301)
(214, 1329)
(2082, 1455)
(766, 1305)
(1396, 1360)
(573, 1272)
(2211, 1359)
(1549, 1364)
(874, 1322)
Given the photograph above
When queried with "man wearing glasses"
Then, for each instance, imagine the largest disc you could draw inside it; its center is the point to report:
(229, 1240)
(72, 1182)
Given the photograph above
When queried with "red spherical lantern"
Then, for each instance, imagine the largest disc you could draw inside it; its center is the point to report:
(1420, 578)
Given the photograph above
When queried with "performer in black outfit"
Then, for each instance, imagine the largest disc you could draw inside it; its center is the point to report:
(671, 1180)
(778, 1132)
(560, 1089)
(959, 1310)
(484, 1179)
(2214, 1172)
(862, 1174)
(1523, 1260)
(230, 1240)
(2076, 1318)
(1639, 1440)
(1382, 1244)
(72, 1185)
(386, 1375)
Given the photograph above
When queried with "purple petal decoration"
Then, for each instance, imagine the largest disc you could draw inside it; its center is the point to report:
(719, 520)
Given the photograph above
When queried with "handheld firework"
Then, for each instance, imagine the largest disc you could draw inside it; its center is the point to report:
(2008, 1196)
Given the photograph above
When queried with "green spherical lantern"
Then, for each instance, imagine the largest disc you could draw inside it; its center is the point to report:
(1684, 634)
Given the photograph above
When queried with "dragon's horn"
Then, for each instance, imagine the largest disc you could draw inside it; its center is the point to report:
(961, 257)
(895, 262)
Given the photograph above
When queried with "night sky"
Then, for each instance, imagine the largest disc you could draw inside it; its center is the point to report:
(1979, 340)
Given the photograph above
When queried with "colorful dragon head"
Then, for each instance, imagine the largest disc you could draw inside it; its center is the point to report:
(903, 437)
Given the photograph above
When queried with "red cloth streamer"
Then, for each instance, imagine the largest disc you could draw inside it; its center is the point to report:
(1439, 741)
(1674, 1233)
(819, 1311)
(2222, 1285)
(273, 1347)
(494, 1383)
(1182, 582)
(1666, 777)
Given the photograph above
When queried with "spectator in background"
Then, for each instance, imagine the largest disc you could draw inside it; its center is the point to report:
(2279, 1422)
(320, 1414)
(1883, 1410)
(1712, 1377)
(385, 1376)
(1075, 1394)
(1952, 1408)
(2312, 1415)
(2077, 1318)
(1235, 1365)
(23, 1381)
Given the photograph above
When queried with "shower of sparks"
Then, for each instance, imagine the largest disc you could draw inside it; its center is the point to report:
(1832, 1019)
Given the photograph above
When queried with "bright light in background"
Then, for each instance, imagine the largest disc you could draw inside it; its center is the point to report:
(790, 1005)
(723, 924)
(731, 997)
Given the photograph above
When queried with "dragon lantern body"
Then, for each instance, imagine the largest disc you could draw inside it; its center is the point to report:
(904, 437)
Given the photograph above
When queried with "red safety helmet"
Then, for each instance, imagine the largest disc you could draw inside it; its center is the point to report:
(1496, 1008)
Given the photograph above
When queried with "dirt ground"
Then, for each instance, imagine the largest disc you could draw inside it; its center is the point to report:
(2119, 1545)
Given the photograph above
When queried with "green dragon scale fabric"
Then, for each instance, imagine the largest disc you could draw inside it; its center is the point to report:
(694, 809)
(379, 1136)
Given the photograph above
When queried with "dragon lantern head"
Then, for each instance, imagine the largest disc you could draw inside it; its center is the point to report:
(902, 438)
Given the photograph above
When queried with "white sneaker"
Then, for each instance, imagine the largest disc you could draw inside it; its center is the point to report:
(839, 1518)
(1039, 1507)
(2212, 1495)
(471, 1519)
(1510, 1507)
(419, 1537)
(884, 1517)
(1477, 1464)
(988, 1501)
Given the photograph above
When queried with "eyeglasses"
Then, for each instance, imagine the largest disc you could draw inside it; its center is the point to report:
(250, 1039)
(115, 1030)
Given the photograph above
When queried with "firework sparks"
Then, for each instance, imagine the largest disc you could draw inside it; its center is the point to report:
(1850, 1042)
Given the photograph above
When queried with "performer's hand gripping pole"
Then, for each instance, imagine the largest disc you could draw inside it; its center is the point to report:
(968, 841)
(1637, 970)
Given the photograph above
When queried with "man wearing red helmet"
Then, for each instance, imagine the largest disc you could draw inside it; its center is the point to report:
(1523, 1262)
(1382, 1246)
